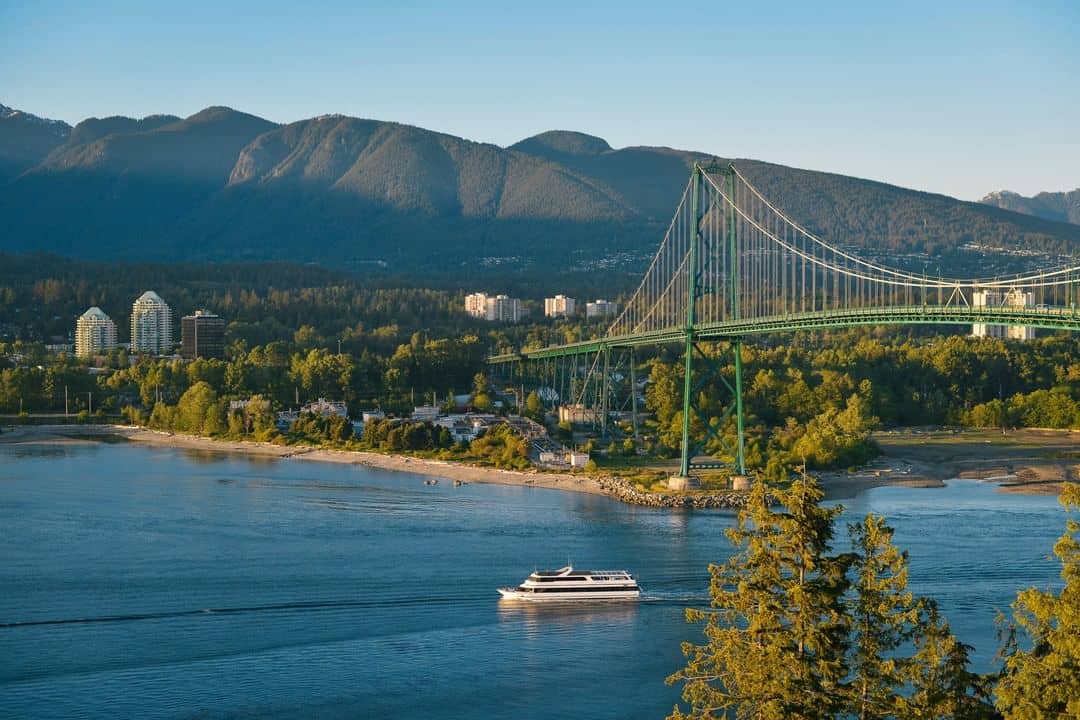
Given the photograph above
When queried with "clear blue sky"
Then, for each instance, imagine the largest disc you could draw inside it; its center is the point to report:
(954, 97)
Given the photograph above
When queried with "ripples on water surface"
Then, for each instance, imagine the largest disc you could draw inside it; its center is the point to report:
(153, 583)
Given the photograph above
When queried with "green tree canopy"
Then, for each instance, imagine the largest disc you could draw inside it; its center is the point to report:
(1041, 676)
(776, 639)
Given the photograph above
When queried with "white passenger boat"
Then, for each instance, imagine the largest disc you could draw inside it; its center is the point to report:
(569, 584)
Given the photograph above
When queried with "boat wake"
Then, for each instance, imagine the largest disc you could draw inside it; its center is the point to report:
(315, 605)
(681, 599)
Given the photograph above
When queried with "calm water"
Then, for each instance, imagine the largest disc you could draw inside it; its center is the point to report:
(154, 583)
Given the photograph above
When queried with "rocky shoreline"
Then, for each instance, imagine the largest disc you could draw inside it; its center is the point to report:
(624, 491)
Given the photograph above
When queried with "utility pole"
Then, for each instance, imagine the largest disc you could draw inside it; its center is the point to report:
(90, 403)
(66, 413)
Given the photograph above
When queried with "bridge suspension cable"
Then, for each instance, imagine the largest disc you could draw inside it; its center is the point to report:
(732, 264)
(752, 261)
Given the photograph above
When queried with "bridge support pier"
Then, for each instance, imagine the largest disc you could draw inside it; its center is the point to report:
(633, 398)
(687, 407)
(740, 450)
(712, 367)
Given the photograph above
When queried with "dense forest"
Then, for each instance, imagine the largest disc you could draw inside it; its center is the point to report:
(814, 397)
(297, 333)
(42, 295)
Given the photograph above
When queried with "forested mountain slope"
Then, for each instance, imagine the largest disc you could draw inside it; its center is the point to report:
(356, 193)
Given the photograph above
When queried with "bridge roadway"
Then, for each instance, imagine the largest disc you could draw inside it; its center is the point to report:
(1049, 318)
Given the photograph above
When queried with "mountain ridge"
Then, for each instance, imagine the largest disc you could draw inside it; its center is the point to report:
(25, 139)
(1061, 206)
(337, 190)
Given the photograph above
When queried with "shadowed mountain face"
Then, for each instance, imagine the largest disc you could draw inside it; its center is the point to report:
(93, 129)
(410, 170)
(224, 185)
(201, 148)
(1059, 206)
(25, 139)
(128, 188)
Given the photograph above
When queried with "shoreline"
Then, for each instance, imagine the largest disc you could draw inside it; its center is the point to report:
(440, 469)
(1027, 461)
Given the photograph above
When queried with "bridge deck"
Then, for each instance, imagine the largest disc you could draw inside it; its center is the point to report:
(1050, 318)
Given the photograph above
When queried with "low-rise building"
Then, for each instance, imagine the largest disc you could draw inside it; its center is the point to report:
(464, 428)
(578, 414)
(326, 408)
(425, 412)
(322, 406)
(577, 458)
(559, 306)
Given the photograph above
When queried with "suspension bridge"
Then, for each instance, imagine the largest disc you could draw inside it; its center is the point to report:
(732, 264)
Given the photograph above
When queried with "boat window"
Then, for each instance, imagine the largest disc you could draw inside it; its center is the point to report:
(598, 591)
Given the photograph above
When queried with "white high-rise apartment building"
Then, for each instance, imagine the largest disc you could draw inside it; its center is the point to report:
(151, 324)
(502, 308)
(1010, 299)
(476, 304)
(601, 308)
(559, 306)
(95, 333)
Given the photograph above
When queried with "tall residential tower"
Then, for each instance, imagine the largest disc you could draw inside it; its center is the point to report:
(500, 308)
(559, 306)
(151, 325)
(95, 333)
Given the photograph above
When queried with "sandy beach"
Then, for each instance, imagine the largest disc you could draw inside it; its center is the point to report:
(1022, 461)
(1026, 461)
(439, 469)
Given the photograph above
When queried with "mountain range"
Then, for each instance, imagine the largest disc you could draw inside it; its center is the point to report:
(352, 193)
(1058, 206)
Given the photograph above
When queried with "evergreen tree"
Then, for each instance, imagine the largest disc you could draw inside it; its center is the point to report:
(1044, 681)
(534, 407)
(942, 686)
(776, 641)
(882, 616)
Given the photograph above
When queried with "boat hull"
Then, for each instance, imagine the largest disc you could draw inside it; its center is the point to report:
(555, 596)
